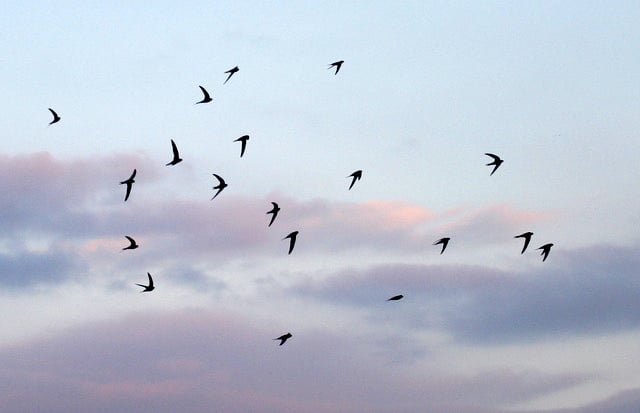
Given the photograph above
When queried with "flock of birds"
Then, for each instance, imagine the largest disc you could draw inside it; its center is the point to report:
(355, 176)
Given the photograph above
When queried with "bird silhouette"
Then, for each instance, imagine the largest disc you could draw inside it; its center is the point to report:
(527, 239)
(149, 287)
(132, 244)
(283, 338)
(231, 73)
(129, 182)
(206, 98)
(274, 211)
(56, 118)
(396, 297)
(292, 240)
(496, 162)
(221, 185)
(337, 65)
(546, 248)
(243, 139)
(444, 241)
(176, 156)
(356, 176)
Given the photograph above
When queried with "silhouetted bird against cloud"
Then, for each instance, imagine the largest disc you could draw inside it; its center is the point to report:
(176, 156)
(546, 248)
(243, 139)
(206, 98)
(274, 211)
(55, 116)
(396, 297)
(444, 242)
(129, 182)
(132, 244)
(283, 338)
(292, 240)
(496, 162)
(149, 287)
(527, 239)
(337, 65)
(221, 185)
(356, 176)
(231, 72)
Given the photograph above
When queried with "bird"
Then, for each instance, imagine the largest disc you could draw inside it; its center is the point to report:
(283, 338)
(206, 98)
(546, 248)
(55, 116)
(231, 73)
(129, 182)
(444, 241)
(527, 239)
(221, 185)
(292, 240)
(337, 65)
(176, 156)
(356, 176)
(273, 211)
(132, 244)
(396, 297)
(496, 162)
(149, 287)
(243, 139)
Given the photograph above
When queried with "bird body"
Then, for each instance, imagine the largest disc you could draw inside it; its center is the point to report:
(132, 244)
(56, 118)
(337, 65)
(496, 162)
(206, 98)
(231, 73)
(243, 139)
(356, 176)
(129, 182)
(221, 185)
(274, 211)
(176, 156)
(527, 239)
(149, 287)
(283, 338)
(444, 242)
(396, 297)
(292, 240)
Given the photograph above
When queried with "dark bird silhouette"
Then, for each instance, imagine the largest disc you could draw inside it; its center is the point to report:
(527, 239)
(129, 182)
(283, 338)
(149, 287)
(546, 248)
(56, 118)
(274, 211)
(292, 240)
(176, 156)
(206, 98)
(496, 162)
(132, 244)
(243, 139)
(396, 297)
(337, 65)
(444, 242)
(221, 185)
(356, 176)
(231, 73)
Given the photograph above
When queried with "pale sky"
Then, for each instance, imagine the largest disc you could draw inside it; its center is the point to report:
(424, 92)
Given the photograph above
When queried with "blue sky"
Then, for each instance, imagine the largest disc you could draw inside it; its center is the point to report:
(425, 91)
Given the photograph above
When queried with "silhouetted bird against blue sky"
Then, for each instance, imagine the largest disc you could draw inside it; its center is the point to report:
(283, 338)
(396, 297)
(496, 162)
(231, 72)
(129, 182)
(243, 139)
(132, 244)
(55, 116)
(444, 242)
(274, 211)
(176, 156)
(149, 287)
(337, 65)
(221, 185)
(206, 98)
(527, 239)
(292, 240)
(546, 248)
(356, 176)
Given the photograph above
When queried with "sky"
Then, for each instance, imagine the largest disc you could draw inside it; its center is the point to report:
(426, 89)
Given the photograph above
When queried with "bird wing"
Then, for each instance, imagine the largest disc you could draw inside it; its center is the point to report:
(176, 155)
(150, 280)
(205, 93)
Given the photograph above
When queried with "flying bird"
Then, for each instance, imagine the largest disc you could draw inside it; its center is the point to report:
(274, 211)
(496, 162)
(129, 182)
(396, 297)
(149, 287)
(444, 242)
(206, 98)
(243, 139)
(55, 116)
(231, 73)
(337, 65)
(546, 248)
(355, 177)
(292, 240)
(221, 185)
(527, 239)
(132, 244)
(283, 338)
(176, 156)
